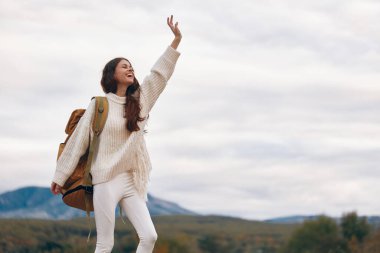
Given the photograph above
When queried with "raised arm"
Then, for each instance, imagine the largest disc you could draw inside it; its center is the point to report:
(162, 70)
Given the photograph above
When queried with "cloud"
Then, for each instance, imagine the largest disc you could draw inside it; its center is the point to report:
(273, 106)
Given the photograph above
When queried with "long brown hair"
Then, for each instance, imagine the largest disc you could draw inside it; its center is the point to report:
(132, 106)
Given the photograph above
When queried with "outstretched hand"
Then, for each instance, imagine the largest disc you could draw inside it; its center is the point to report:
(174, 28)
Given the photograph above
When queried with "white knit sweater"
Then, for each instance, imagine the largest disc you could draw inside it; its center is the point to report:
(119, 150)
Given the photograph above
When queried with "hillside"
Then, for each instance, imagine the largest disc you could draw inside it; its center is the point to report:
(40, 203)
(182, 234)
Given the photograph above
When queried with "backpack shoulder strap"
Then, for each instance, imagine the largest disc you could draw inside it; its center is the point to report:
(101, 113)
(100, 117)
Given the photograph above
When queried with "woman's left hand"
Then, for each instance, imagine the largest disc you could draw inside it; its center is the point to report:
(174, 28)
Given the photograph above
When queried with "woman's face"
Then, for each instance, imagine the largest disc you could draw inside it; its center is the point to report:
(124, 73)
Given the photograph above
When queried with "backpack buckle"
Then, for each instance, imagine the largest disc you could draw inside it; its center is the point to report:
(88, 189)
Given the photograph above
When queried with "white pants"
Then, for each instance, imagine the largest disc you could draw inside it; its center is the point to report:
(106, 197)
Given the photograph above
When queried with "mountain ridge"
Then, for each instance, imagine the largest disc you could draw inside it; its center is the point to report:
(297, 219)
(38, 202)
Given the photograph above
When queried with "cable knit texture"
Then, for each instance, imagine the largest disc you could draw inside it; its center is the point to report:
(119, 150)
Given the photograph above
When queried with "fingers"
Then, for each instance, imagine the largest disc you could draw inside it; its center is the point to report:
(55, 188)
(52, 187)
(59, 189)
(174, 27)
(170, 21)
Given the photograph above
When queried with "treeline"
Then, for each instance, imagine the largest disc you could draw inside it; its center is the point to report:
(351, 234)
(198, 234)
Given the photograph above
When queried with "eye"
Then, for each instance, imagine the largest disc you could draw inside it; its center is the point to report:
(125, 67)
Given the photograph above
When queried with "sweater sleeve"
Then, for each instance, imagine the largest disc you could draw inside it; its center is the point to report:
(160, 73)
(75, 147)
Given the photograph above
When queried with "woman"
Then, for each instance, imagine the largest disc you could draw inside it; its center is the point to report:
(120, 169)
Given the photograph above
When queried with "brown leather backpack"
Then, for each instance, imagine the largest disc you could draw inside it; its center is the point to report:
(78, 190)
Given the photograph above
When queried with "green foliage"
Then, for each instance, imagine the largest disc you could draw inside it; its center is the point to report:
(325, 235)
(194, 234)
(176, 234)
(220, 243)
(321, 235)
(354, 227)
(208, 243)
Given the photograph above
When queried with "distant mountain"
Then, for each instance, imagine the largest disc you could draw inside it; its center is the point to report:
(292, 219)
(40, 203)
(374, 220)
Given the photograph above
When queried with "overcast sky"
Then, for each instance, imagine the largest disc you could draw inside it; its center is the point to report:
(273, 108)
